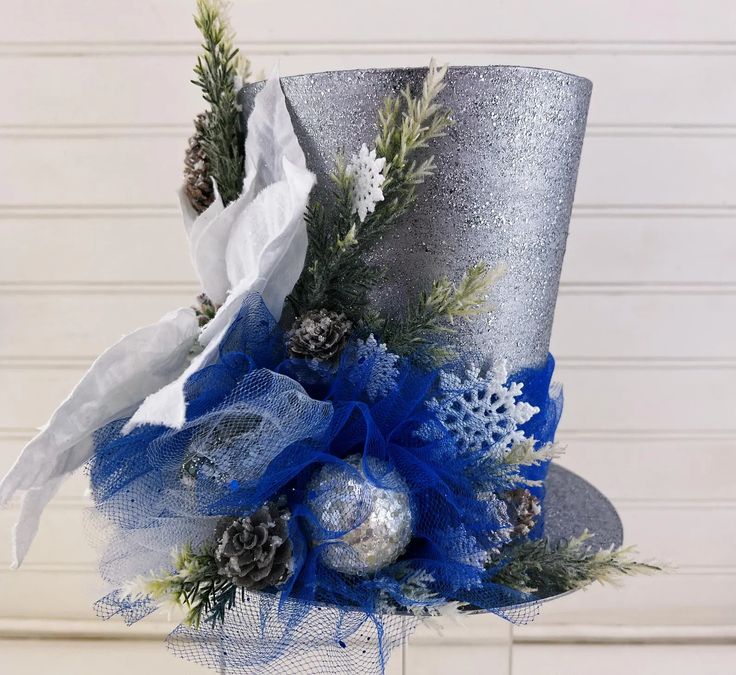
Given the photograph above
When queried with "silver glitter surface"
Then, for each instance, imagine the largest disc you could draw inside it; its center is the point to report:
(572, 505)
(377, 521)
(503, 191)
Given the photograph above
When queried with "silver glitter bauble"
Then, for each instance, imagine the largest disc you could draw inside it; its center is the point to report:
(502, 192)
(376, 521)
(221, 447)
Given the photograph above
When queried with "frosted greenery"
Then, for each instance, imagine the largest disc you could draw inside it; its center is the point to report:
(218, 71)
(337, 275)
(419, 333)
(525, 453)
(538, 567)
(196, 586)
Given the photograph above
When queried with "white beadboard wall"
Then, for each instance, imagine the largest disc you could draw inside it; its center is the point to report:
(95, 113)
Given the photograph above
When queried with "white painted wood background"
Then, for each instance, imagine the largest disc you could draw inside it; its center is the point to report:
(95, 112)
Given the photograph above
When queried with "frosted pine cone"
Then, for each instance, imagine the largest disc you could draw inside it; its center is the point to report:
(197, 182)
(255, 552)
(320, 335)
(523, 509)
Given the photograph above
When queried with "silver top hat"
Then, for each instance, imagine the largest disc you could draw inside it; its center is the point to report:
(502, 193)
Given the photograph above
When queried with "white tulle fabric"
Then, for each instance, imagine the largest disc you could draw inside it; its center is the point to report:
(257, 243)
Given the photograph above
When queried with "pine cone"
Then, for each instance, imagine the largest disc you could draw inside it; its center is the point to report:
(255, 552)
(319, 334)
(197, 181)
(524, 507)
(205, 309)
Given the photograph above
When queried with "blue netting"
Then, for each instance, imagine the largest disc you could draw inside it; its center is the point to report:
(260, 426)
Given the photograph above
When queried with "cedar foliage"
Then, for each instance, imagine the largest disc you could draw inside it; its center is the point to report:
(197, 586)
(218, 70)
(534, 566)
(337, 275)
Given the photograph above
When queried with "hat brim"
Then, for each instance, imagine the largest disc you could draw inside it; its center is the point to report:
(572, 505)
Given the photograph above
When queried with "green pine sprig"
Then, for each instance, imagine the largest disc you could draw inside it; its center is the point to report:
(536, 567)
(196, 586)
(406, 126)
(420, 331)
(337, 274)
(219, 67)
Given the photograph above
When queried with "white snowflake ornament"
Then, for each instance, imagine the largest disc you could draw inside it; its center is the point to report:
(482, 411)
(366, 170)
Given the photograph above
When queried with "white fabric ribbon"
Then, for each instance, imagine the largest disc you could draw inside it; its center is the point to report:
(118, 380)
(256, 244)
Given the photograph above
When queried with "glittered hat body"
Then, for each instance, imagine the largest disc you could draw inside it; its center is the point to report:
(502, 192)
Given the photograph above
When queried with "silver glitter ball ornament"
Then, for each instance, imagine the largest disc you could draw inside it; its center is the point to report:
(366, 520)
(502, 192)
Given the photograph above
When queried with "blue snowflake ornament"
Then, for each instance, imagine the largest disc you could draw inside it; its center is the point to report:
(380, 366)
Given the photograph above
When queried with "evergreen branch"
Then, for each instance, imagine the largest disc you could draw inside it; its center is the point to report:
(196, 585)
(218, 71)
(337, 275)
(525, 453)
(406, 127)
(407, 124)
(435, 311)
(537, 567)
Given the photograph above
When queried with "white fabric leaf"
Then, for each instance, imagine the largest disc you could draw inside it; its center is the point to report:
(270, 139)
(140, 363)
(208, 235)
(266, 246)
(34, 502)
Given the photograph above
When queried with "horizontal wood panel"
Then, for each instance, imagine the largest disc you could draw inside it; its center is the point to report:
(604, 249)
(643, 325)
(666, 399)
(616, 659)
(28, 593)
(63, 539)
(265, 21)
(72, 657)
(84, 249)
(654, 469)
(72, 491)
(146, 171)
(113, 171)
(640, 249)
(116, 657)
(617, 323)
(665, 599)
(120, 657)
(130, 90)
(437, 658)
(619, 171)
(65, 321)
(595, 398)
